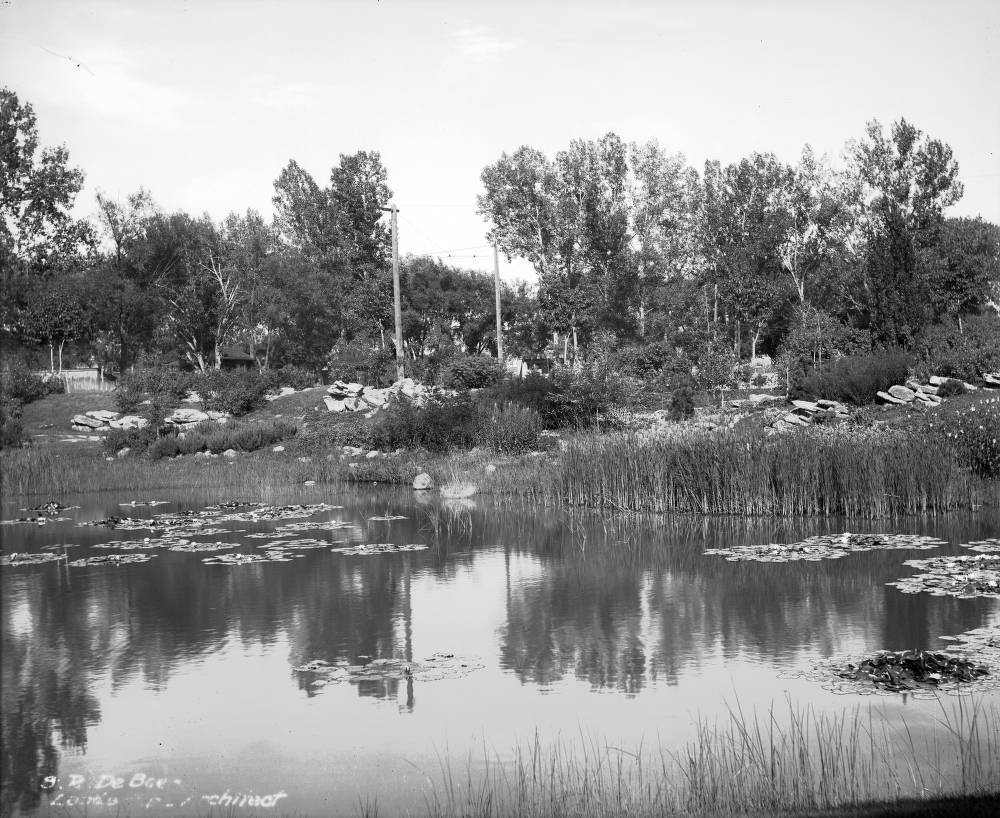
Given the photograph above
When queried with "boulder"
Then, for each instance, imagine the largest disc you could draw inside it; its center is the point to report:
(375, 397)
(278, 449)
(129, 422)
(795, 420)
(901, 393)
(230, 453)
(373, 454)
(219, 417)
(333, 404)
(102, 415)
(353, 404)
(423, 482)
(182, 416)
(124, 451)
(807, 405)
(352, 451)
(927, 389)
(889, 398)
(992, 379)
(87, 422)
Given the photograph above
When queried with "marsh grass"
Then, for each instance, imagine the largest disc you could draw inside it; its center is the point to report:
(861, 473)
(763, 763)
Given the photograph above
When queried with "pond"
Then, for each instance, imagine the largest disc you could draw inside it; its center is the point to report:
(158, 686)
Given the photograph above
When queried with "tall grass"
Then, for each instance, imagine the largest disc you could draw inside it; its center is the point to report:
(762, 763)
(861, 473)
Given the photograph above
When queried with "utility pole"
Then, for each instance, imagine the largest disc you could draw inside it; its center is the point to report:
(496, 279)
(398, 310)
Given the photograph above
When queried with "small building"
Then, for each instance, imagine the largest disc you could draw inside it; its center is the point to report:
(234, 357)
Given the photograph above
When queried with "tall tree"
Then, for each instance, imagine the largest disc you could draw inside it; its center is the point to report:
(907, 180)
(963, 267)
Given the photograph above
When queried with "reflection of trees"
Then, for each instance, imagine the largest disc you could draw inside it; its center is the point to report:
(616, 601)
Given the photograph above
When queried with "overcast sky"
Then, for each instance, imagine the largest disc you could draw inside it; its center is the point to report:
(204, 102)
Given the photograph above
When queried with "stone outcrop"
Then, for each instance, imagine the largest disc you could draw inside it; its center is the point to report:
(356, 397)
(806, 413)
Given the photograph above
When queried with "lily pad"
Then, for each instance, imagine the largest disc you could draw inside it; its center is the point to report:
(51, 507)
(17, 559)
(201, 547)
(975, 575)
(990, 546)
(386, 518)
(111, 559)
(433, 668)
(36, 520)
(369, 549)
(824, 547)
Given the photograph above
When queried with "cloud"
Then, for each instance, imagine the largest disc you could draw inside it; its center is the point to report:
(478, 45)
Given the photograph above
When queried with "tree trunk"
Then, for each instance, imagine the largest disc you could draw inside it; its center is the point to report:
(961, 331)
(52, 358)
(715, 308)
(62, 343)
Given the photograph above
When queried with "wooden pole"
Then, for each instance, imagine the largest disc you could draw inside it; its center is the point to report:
(496, 279)
(395, 293)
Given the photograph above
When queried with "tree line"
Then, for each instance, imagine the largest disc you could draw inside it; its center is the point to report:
(632, 247)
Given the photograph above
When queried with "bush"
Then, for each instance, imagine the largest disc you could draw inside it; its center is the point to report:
(330, 431)
(136, 440)
(18, 382)
(440, 424)
(852, 379)
(217, 439)
(682, 402)
(234, 391)
(470, 372)
(11, 431)
(289, 375)
(966, 355)
(508, 428)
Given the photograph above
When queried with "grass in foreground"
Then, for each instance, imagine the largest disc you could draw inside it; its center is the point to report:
(799, 762)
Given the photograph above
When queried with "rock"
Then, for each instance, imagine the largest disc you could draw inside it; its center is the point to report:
(375, 397)
(423, 482)
(373, 454)
(180, 416)
(490, 468)
(129, 422)
(333, 404)
(901, 393)
(309, 483)
(278, 449)
(230, 453)
(889, 398)
(992, 379)
(102, 415)
(285, 391)
(123, 451)
(927, 389)
(795, 420)
(352, 451)
(87, 422)
(808, 406)
(220, 417)
(192, 397)
(353, 404)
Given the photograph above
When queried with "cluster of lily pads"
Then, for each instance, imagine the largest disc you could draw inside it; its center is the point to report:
(989, 546)
(369, 549)
(963, 576)
(816, 548)
(434, 667)
(111, 559)
(19, 558)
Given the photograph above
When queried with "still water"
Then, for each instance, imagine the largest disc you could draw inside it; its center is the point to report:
(160, 686)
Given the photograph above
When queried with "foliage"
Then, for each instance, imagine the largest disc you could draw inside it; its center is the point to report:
(328, 432)
(11, 430)
(972, 434)
(236, 391)
(963, 266)
(211, 437)
(965, 352)
(854, 379)
(19, 383)
(508, 428)
(439, 424)
(470, 372)
(682, 401)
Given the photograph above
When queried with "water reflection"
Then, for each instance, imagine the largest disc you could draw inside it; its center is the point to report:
(622, 604)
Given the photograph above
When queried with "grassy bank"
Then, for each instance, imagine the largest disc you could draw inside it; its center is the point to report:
(797, 762)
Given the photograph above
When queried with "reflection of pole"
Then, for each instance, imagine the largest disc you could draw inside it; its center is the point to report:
(496, 280)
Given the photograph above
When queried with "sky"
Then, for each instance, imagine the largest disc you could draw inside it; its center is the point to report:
(204, 102)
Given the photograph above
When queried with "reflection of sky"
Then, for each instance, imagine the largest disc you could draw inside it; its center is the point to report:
(191, 665)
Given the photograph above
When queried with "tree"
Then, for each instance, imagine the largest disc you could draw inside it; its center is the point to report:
(963, 268)
(818, 223)
(55, 313)
(906, 181)
(247, 242)
(38, 235)
(129, 307)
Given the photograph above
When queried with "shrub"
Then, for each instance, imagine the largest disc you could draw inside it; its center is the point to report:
(965, 354)
(11, 431)
(508, 428)
(18, 382)
(217, 439)
(136, 440)
(331, 431)
(853, 379)
(236, 391)
(682, 401)
(470, 372)
(440, 424)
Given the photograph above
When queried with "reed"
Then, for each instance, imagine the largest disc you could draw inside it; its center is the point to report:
(861, 473)
(768, 763)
